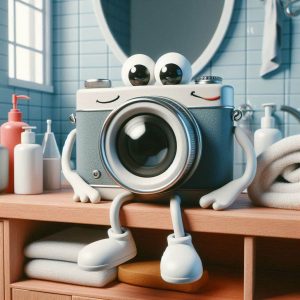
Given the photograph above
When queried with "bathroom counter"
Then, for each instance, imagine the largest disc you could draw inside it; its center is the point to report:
(249, 252)
(242, 218)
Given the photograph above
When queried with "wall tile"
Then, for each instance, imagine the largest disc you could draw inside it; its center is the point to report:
(67, 21)
(89, 73)
(93, 47)
(265, 87)
(88, 20)
(60, 48)
(66, 8)
(90, 34)
(93, 60)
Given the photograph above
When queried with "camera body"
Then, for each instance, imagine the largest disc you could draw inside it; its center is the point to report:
(153, 140)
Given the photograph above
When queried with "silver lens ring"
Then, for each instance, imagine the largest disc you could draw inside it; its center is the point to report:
(188, 139)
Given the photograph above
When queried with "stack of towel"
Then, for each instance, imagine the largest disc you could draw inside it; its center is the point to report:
(277, 180)
(55, 258)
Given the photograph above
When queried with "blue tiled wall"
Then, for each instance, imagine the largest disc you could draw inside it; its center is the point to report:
(80, 52)
(40, 106)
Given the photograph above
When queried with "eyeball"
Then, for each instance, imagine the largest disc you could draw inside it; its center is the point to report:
(138, 69)
(173, 68)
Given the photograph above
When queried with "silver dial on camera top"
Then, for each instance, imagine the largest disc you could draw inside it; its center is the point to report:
(208, 80)
(97, 83)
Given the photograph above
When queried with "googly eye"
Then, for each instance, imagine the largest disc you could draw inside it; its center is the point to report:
(138, 70)
(172, 68)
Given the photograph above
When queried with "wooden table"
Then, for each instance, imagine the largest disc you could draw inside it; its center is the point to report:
(227, 240)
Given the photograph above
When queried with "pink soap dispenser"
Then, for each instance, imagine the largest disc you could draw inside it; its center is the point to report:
(11, 135)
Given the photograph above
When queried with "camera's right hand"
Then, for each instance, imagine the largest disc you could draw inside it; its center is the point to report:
(82, 191)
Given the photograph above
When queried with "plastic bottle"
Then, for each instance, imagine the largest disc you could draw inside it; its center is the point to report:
(267, 134)
(3, 168)
(11, 135)
(51, 160)
(28, 164)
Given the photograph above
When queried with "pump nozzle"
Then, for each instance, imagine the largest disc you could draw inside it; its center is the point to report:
(15, 114)
(49, 122)
(15, 99)
(28, 128)
(28, 137)
(268, 120)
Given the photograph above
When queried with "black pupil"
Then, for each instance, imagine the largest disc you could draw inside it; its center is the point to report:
(139, 75)
(170, 74)
(146, 145)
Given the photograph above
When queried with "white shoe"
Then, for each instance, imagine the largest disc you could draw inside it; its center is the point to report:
(180, 262)
(107, 253)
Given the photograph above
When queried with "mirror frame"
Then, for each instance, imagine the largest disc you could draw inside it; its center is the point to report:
(199, 63)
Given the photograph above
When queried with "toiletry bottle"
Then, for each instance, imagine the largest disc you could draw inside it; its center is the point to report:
(11, 135)
(51, 160)
(267, 134)
(28, 165)
(3, 168)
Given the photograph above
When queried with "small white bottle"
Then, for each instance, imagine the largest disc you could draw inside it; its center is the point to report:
(267, 134)
(51, 160)
(28, 164)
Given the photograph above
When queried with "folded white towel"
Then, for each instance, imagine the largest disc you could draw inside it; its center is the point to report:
(272, 38)
(64, 245)
(68, 272)
(277, 180)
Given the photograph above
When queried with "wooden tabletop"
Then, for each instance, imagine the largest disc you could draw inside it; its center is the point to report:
(242, 218)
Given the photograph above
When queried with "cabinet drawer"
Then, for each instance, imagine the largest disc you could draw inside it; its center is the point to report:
(31, 295)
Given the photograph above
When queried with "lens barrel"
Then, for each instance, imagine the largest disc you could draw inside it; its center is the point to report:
(150, 145)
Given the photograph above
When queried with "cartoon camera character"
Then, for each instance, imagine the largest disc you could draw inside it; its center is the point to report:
(171, 140)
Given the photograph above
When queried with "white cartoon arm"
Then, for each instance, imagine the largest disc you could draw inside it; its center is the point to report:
(226, 195)
(82, 191)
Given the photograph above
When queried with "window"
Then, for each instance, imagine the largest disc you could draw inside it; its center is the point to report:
(29, 44)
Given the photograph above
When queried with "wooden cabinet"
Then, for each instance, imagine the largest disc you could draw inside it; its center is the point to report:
(249, 252)
(31, 295)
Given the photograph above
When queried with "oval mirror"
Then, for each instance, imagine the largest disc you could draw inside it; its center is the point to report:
(194, 28)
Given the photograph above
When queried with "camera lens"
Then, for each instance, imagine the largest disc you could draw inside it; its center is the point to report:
(170, 74)
(146, 145)
(139, 75)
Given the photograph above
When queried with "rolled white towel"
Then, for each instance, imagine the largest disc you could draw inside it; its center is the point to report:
(67, 272)
(277, 180)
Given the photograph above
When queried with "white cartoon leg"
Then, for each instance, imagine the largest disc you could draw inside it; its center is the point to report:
(118, 248)
(180, 262)
(82, 191)
(226, 195)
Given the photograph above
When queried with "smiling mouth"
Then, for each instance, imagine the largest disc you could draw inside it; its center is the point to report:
(193, 93)
(109, 101)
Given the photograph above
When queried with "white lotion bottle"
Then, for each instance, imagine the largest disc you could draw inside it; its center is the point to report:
(28, 165)
(51, 160)
(267, 134)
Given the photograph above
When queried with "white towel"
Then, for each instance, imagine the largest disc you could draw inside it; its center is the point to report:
(64, 245)
(277, 180)
(272, 38)
(68, 272)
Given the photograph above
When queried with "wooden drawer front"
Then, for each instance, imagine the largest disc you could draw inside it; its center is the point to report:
(30, 295)
(1, 261)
